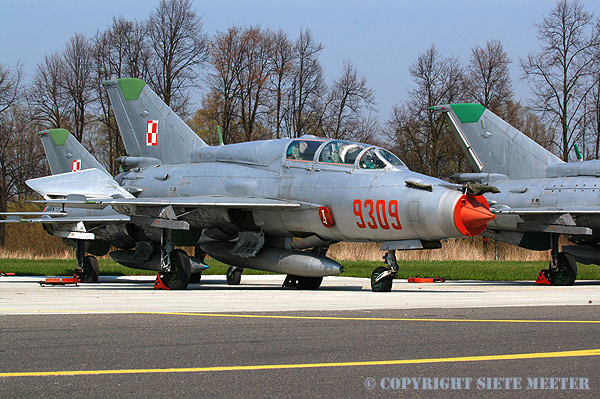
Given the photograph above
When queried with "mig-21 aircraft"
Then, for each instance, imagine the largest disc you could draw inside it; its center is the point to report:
(274, 205)
(541, 197)
(87, 230)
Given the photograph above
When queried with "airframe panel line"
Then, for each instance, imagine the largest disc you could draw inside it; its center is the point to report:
(518, 356)
(258, 316)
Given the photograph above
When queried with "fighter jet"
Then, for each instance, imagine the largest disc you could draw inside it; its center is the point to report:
(274, 205)
(87, 230)
(66, 155)
(540, 198)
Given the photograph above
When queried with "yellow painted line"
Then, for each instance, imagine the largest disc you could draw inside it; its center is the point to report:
(260, 316)
(518, 356)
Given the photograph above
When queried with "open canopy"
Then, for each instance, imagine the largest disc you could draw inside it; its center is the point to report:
(339, 152)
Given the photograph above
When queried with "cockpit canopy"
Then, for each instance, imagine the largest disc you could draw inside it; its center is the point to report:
(339, 152)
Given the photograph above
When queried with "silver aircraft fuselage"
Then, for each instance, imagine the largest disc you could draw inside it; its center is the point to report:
(363, 204)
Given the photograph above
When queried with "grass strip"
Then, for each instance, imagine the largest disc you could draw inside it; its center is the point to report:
(451, 270)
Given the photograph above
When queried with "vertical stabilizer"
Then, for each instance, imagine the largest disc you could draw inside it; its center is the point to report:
(150, 128)
(66, 154)
(493, 146)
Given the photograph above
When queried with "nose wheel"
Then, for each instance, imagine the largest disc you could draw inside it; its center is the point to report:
(381, 278)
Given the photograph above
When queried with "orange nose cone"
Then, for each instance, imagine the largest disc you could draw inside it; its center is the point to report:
(472, 214)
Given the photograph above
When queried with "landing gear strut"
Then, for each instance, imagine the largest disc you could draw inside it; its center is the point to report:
(563, 268)
(174, 263)
(87, 266)
(381, 279)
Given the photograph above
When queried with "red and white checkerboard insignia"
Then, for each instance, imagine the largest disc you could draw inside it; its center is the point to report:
(76, 165)
(152, 133)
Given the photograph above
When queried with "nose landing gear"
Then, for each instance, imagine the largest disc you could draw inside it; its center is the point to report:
(381, 278)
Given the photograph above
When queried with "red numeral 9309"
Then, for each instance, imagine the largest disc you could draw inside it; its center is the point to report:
(375, 214)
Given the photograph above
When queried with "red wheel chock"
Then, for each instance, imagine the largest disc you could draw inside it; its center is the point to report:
(426, 280)
(158, 284)
(60, 281)
(543, 278)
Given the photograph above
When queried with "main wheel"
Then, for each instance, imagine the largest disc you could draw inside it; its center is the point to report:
(179, 276)
(567, 270)
(309, 283)
(234, 275)
(195, 278)
(90, 270)
(383, 285)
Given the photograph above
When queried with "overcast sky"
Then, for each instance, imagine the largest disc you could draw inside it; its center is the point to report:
(381, 37)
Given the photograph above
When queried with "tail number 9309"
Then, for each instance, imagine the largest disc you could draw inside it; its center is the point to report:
(374, 214)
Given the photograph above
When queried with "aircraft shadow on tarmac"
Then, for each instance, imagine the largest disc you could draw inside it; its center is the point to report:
(218, 284)
(215, 284)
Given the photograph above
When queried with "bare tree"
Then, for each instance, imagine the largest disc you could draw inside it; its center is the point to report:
(20, 153)
(252, 71)
(488, 77)
(349, 100)
(594, 107)
(593, 99)
(419, 133)
(121, 51)
(179, 48)
(118, 52)
(77, 80)
(282, 61)
(48, 95)
(559, 73)
(221, 102)
(10, 86)
(307, 88)
(10, 90)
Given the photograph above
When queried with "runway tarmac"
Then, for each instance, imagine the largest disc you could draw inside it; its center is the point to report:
(120, 338)
(264, 293)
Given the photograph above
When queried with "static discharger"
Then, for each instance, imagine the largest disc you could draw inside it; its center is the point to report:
(472, 214)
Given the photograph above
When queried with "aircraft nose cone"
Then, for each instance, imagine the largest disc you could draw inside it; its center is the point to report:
(472, 214)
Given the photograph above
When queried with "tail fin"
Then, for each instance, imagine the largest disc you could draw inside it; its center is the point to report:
(150, 128)
(66, 154)
(493, 146)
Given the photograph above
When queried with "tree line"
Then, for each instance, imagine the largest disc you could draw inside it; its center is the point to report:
(260, 83)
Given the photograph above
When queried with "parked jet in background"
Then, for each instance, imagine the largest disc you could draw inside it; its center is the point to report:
(243, 203)
(541, 197)
(87, 230)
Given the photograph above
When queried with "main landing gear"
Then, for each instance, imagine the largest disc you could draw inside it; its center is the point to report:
(175, 264)
(563, 268)
(381, 279)
(87, 266)
(234, 275)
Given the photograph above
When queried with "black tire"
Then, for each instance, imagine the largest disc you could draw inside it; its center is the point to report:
(384, 285)
(195, 278)
(309, 283)
(234, 275)
(567, 270)
(179, 276)
(90, 270)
